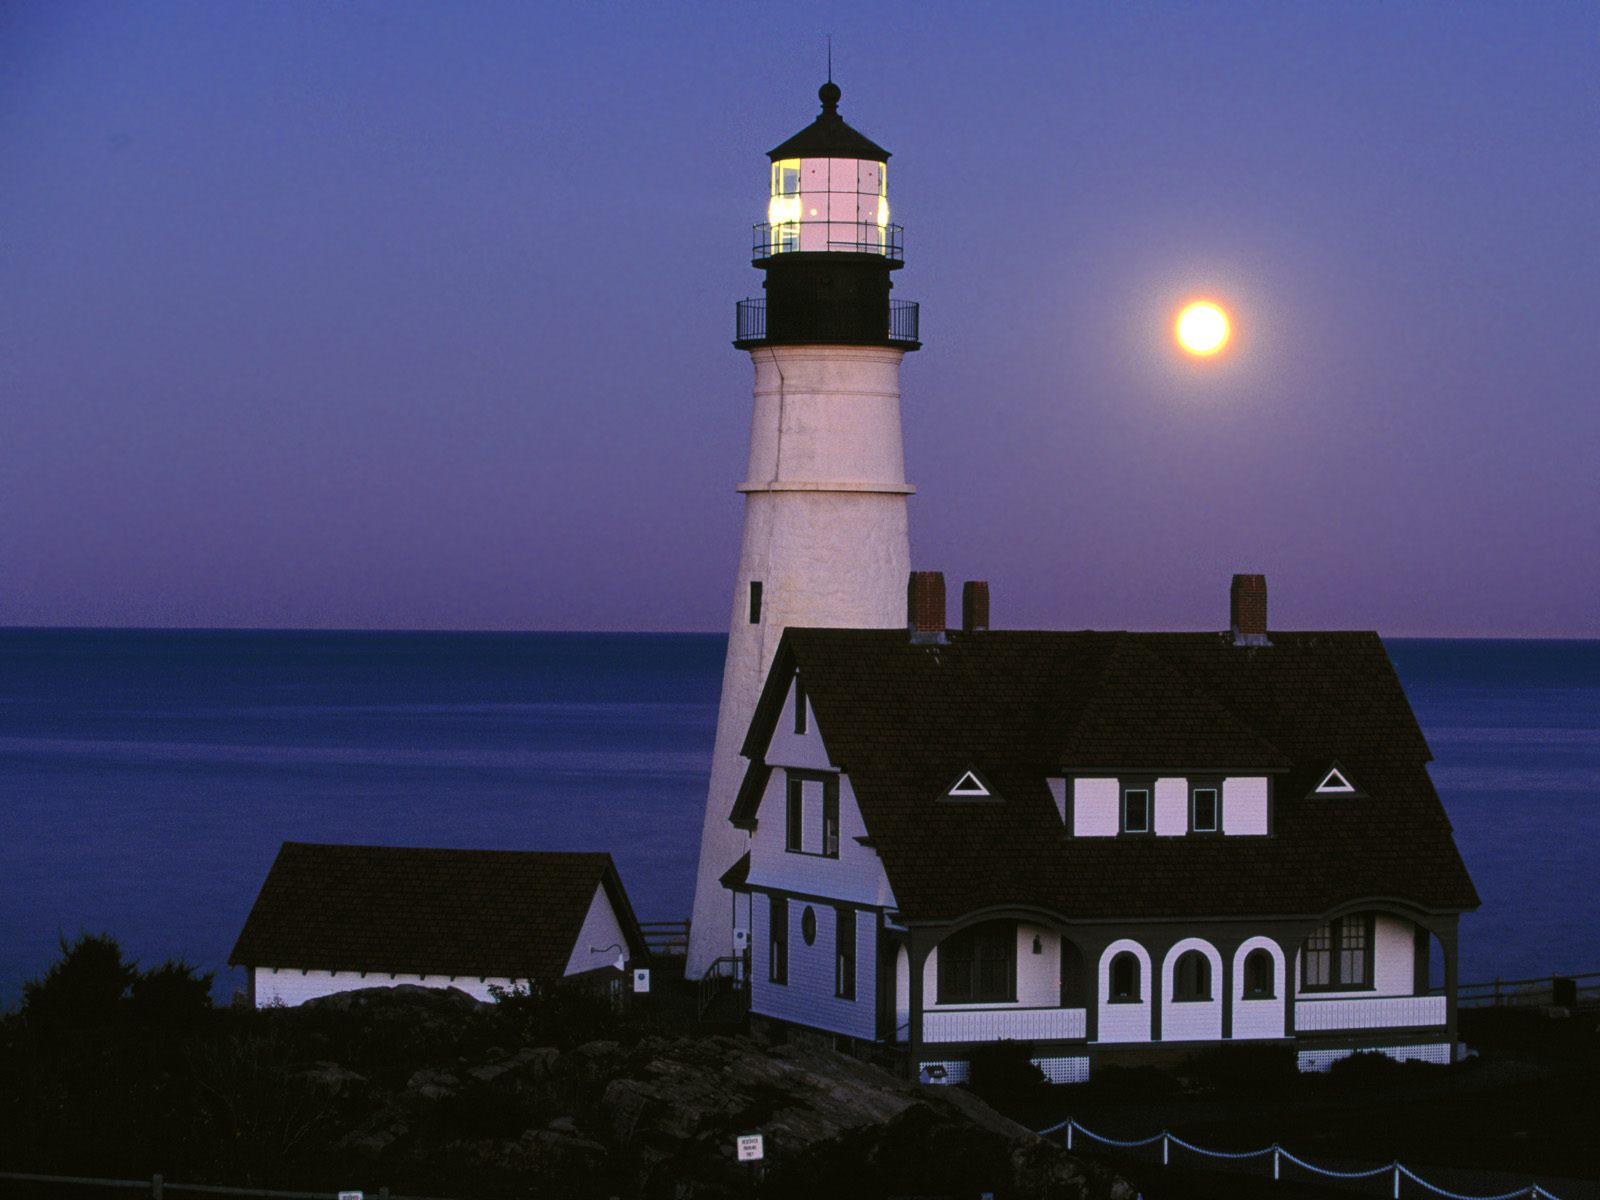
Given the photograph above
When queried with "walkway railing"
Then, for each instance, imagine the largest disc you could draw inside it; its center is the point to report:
(666, 937)
(1396, 1170)
(1567, 991)
(731, 972)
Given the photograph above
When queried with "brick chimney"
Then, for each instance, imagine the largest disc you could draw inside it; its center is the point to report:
(925, 606)
(1247, 610)
(975, 606)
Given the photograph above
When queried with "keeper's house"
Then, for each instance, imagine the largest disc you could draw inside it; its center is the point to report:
(336, 918)
(1105, 845)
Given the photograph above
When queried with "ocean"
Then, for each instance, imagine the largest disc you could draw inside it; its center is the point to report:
(148, 777)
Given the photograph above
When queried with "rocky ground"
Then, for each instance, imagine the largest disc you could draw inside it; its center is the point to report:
(659, 1118)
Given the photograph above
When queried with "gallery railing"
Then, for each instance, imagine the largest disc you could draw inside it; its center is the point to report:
(848, 237)
(750, 324)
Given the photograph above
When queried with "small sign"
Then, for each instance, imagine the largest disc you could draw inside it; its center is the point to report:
(641, 979)
(750, 1147)
(351, 1195)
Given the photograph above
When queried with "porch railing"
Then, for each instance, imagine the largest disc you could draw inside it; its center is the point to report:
(1367, 1012)
(996, 1024)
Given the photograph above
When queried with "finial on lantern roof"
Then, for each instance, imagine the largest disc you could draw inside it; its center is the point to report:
(829, 94)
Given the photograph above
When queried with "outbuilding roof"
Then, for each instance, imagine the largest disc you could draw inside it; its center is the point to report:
(903, 719)
(508, 913)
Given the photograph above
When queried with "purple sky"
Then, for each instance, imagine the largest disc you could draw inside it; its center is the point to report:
(403, 315)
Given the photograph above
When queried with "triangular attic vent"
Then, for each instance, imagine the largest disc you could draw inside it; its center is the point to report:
(1334, 783)
(968, 787)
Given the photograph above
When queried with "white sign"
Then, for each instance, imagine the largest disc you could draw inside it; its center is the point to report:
(641, 979)
(350, 1195)
(750, 1147)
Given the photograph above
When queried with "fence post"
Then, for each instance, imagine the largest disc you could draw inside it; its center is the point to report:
(1069, 1133)
(155, 1187)
(1397, 1179)
(1274, 1160)
(1165, 1146)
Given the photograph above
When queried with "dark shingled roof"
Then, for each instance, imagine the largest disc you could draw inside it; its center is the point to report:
(509, 913)
(903, 720)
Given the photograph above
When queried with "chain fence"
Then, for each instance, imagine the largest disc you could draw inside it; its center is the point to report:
(1396, 1171)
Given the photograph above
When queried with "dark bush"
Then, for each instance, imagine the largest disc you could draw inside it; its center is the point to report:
(1245, 1069)
(1003, 1073)
(86, 989)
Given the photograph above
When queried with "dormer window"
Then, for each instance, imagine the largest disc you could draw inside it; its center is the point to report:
(1205, 808)
(969, 787)
(1336, 783)
(1136, 806)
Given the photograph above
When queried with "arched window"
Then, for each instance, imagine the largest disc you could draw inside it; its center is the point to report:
(1191, 978)
(1258, 973)
(1125, 979)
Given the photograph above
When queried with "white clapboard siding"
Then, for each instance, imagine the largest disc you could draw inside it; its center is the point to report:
(290, 986)
(808, 997)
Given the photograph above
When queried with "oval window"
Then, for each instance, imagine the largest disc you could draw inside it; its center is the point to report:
(808, 925)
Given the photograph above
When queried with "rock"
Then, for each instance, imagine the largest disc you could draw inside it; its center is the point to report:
(428, 1084)
(563, 1125)
(533, 1061)
(400, 996)
(333, 1078)
(833, 1125)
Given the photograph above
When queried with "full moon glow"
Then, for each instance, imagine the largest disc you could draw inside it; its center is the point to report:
(1202, 328)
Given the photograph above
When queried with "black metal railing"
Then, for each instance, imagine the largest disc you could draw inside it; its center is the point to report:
(751, 324)
(905, 324)
(730, 973)
(851, 237)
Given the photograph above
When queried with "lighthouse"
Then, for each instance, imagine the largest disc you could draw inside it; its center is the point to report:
(825, 540)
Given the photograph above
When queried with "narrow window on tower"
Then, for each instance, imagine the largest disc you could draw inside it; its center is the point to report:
(755, 602)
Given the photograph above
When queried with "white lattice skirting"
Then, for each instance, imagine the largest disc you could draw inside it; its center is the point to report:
(1321, 1060)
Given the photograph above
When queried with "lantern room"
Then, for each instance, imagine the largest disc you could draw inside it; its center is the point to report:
(827, 245)
(829, 192)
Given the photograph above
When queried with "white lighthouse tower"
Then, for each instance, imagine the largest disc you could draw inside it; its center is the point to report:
(825, 541)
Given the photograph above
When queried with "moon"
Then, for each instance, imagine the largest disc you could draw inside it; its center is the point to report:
(1203, 328)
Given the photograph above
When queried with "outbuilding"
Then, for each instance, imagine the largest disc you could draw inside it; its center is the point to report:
(333, 918)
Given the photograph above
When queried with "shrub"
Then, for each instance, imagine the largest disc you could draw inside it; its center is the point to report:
(1003, 1073)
